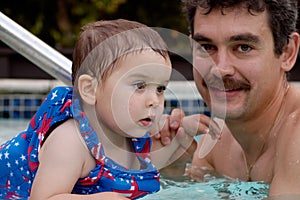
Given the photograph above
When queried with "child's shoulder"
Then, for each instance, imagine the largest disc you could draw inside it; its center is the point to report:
(55, 108)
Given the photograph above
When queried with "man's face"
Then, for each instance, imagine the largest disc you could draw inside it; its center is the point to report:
(235, 68)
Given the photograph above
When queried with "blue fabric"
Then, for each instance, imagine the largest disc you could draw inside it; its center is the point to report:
(19, 156)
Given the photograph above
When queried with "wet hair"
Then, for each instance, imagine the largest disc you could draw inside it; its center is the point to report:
(282, 15)
(101, 44)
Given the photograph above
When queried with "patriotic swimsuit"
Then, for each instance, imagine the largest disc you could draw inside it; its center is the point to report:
(19, 156)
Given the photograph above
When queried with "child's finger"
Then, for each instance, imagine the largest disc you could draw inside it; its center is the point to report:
(175, 118)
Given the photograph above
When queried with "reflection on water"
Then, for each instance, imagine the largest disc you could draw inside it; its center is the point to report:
(214, 189)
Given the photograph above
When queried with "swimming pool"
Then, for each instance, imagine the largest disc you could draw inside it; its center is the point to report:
(212, 189)
(11, 127)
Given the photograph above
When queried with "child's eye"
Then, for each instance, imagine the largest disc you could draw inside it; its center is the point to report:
(161, 89)
(140, 85)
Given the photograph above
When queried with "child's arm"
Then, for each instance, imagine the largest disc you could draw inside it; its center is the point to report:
(181, 143)
(172, 155)
(63, 160)
(182, 146)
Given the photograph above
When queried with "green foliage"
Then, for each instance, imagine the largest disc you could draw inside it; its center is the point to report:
(58, 22)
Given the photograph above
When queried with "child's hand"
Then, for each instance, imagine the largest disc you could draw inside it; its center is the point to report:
(171, 144)
(170, 128)
(177, 135)
(185, 128)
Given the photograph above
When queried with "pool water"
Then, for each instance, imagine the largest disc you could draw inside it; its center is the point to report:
(11, 127)
(212, 189)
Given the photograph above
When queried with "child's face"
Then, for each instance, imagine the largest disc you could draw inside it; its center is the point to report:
(131, 100)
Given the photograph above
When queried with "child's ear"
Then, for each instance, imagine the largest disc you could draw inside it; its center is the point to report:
(290, 52)
(87, 87)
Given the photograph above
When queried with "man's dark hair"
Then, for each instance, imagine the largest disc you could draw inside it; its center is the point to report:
(282, 15)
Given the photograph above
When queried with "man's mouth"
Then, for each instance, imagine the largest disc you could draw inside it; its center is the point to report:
(226, 88)
(223, 89)
(227, 85)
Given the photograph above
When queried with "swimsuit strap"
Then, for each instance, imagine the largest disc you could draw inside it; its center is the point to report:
(87, 132)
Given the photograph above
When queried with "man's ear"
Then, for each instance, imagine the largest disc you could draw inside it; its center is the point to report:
(290, 52)
(87, 87)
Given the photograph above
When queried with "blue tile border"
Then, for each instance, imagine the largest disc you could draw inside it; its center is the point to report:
(19, 106)
(24, 106)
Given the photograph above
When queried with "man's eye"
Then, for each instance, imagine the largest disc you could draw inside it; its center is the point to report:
(140, 85)
(244, 48)
(161, 89)
(205, 49)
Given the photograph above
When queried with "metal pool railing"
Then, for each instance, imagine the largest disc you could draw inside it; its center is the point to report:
(35, 50)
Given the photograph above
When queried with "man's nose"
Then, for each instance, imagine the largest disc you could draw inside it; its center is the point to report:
(223, 64)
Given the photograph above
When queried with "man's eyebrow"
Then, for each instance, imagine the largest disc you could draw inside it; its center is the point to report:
(199, 37)
(248, 37)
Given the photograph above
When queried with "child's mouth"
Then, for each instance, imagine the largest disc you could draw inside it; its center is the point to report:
(146, 122)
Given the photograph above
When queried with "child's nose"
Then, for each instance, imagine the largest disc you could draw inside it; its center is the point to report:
(152, 99)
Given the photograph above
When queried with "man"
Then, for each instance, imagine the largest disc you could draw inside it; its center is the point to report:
(242, 54)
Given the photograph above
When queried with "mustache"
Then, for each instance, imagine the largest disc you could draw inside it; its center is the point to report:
(226, 83)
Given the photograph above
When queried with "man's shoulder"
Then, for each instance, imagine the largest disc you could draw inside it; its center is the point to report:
(289, 129)
(292, 108)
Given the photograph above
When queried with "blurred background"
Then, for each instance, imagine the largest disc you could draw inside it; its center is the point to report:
(58, 23)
